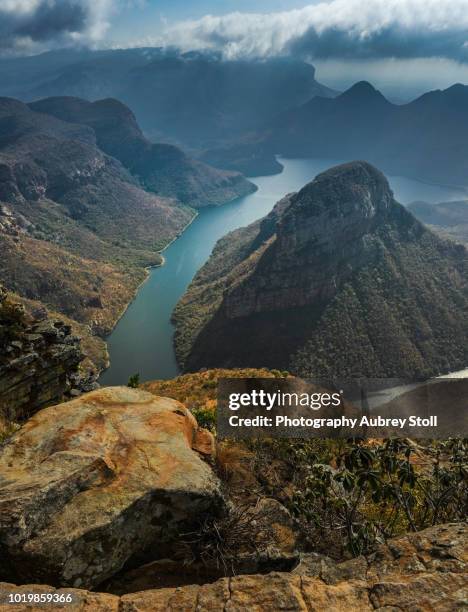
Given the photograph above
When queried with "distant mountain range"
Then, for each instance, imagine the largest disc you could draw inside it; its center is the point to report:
(338, 280)
(426, 139)
(194, 99)
(86, 202)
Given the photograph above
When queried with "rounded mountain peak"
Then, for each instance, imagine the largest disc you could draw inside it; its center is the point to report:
(340, 206)
(356, 186)
(358, 170)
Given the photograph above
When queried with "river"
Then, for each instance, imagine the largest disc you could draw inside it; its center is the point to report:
(142, 340)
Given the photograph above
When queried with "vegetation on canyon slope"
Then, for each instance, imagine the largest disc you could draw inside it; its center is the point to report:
(87, 203)
(76, 230)
(339, 280)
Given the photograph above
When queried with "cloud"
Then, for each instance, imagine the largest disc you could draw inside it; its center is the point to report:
(32, 25)
(351, 29)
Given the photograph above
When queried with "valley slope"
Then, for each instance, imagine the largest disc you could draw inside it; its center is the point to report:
(338, 280)
(79, 222)
(160, 168)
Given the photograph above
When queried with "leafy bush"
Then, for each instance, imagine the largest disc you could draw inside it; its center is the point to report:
(210, 384)
(206, 418)
(134, 381)
(376, 492)
(347, 495)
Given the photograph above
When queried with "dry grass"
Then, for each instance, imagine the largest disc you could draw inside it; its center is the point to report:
(91, 292)
(199, 391)
(234, 463)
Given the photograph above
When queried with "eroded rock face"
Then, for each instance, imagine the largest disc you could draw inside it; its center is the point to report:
(89, 484)
(425, 571)
(39, 361)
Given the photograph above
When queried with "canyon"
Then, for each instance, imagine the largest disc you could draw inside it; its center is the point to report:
(78, 228)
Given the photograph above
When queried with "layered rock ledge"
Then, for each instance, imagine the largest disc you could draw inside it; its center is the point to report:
(424, 571)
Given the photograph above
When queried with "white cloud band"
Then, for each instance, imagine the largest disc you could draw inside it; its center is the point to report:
(340, 28)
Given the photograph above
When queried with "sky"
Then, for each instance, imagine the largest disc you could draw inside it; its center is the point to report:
(397, 44)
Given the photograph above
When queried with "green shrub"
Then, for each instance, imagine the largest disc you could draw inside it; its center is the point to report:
(134, 381)
(206, 418)
(210, 384)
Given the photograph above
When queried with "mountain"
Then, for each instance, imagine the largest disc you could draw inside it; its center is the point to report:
(425, 139)
(76, 229)
(447, 218)
(338, 280)
(194, 99)
(87, 202)
(161, 168)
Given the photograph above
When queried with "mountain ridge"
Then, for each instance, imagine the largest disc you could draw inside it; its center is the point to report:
(424, 139)
(77, 228)
(161, 168)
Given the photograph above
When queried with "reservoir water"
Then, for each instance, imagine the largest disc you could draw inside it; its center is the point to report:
(142, 340)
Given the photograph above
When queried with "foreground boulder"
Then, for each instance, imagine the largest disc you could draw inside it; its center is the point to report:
(93, 483)
(425, 571)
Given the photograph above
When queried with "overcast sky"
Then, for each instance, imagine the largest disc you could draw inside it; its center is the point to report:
(411, 43)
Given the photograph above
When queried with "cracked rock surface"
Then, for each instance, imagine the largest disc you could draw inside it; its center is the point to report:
(425, 571)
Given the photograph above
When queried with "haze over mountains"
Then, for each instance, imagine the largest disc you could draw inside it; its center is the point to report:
(88, 199)
(426, 139)
(195, 99)
(239, 114)
(338, 280)
(448, 218)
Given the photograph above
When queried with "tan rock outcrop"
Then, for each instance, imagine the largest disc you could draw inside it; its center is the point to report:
(89, 484)
(424, 572)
